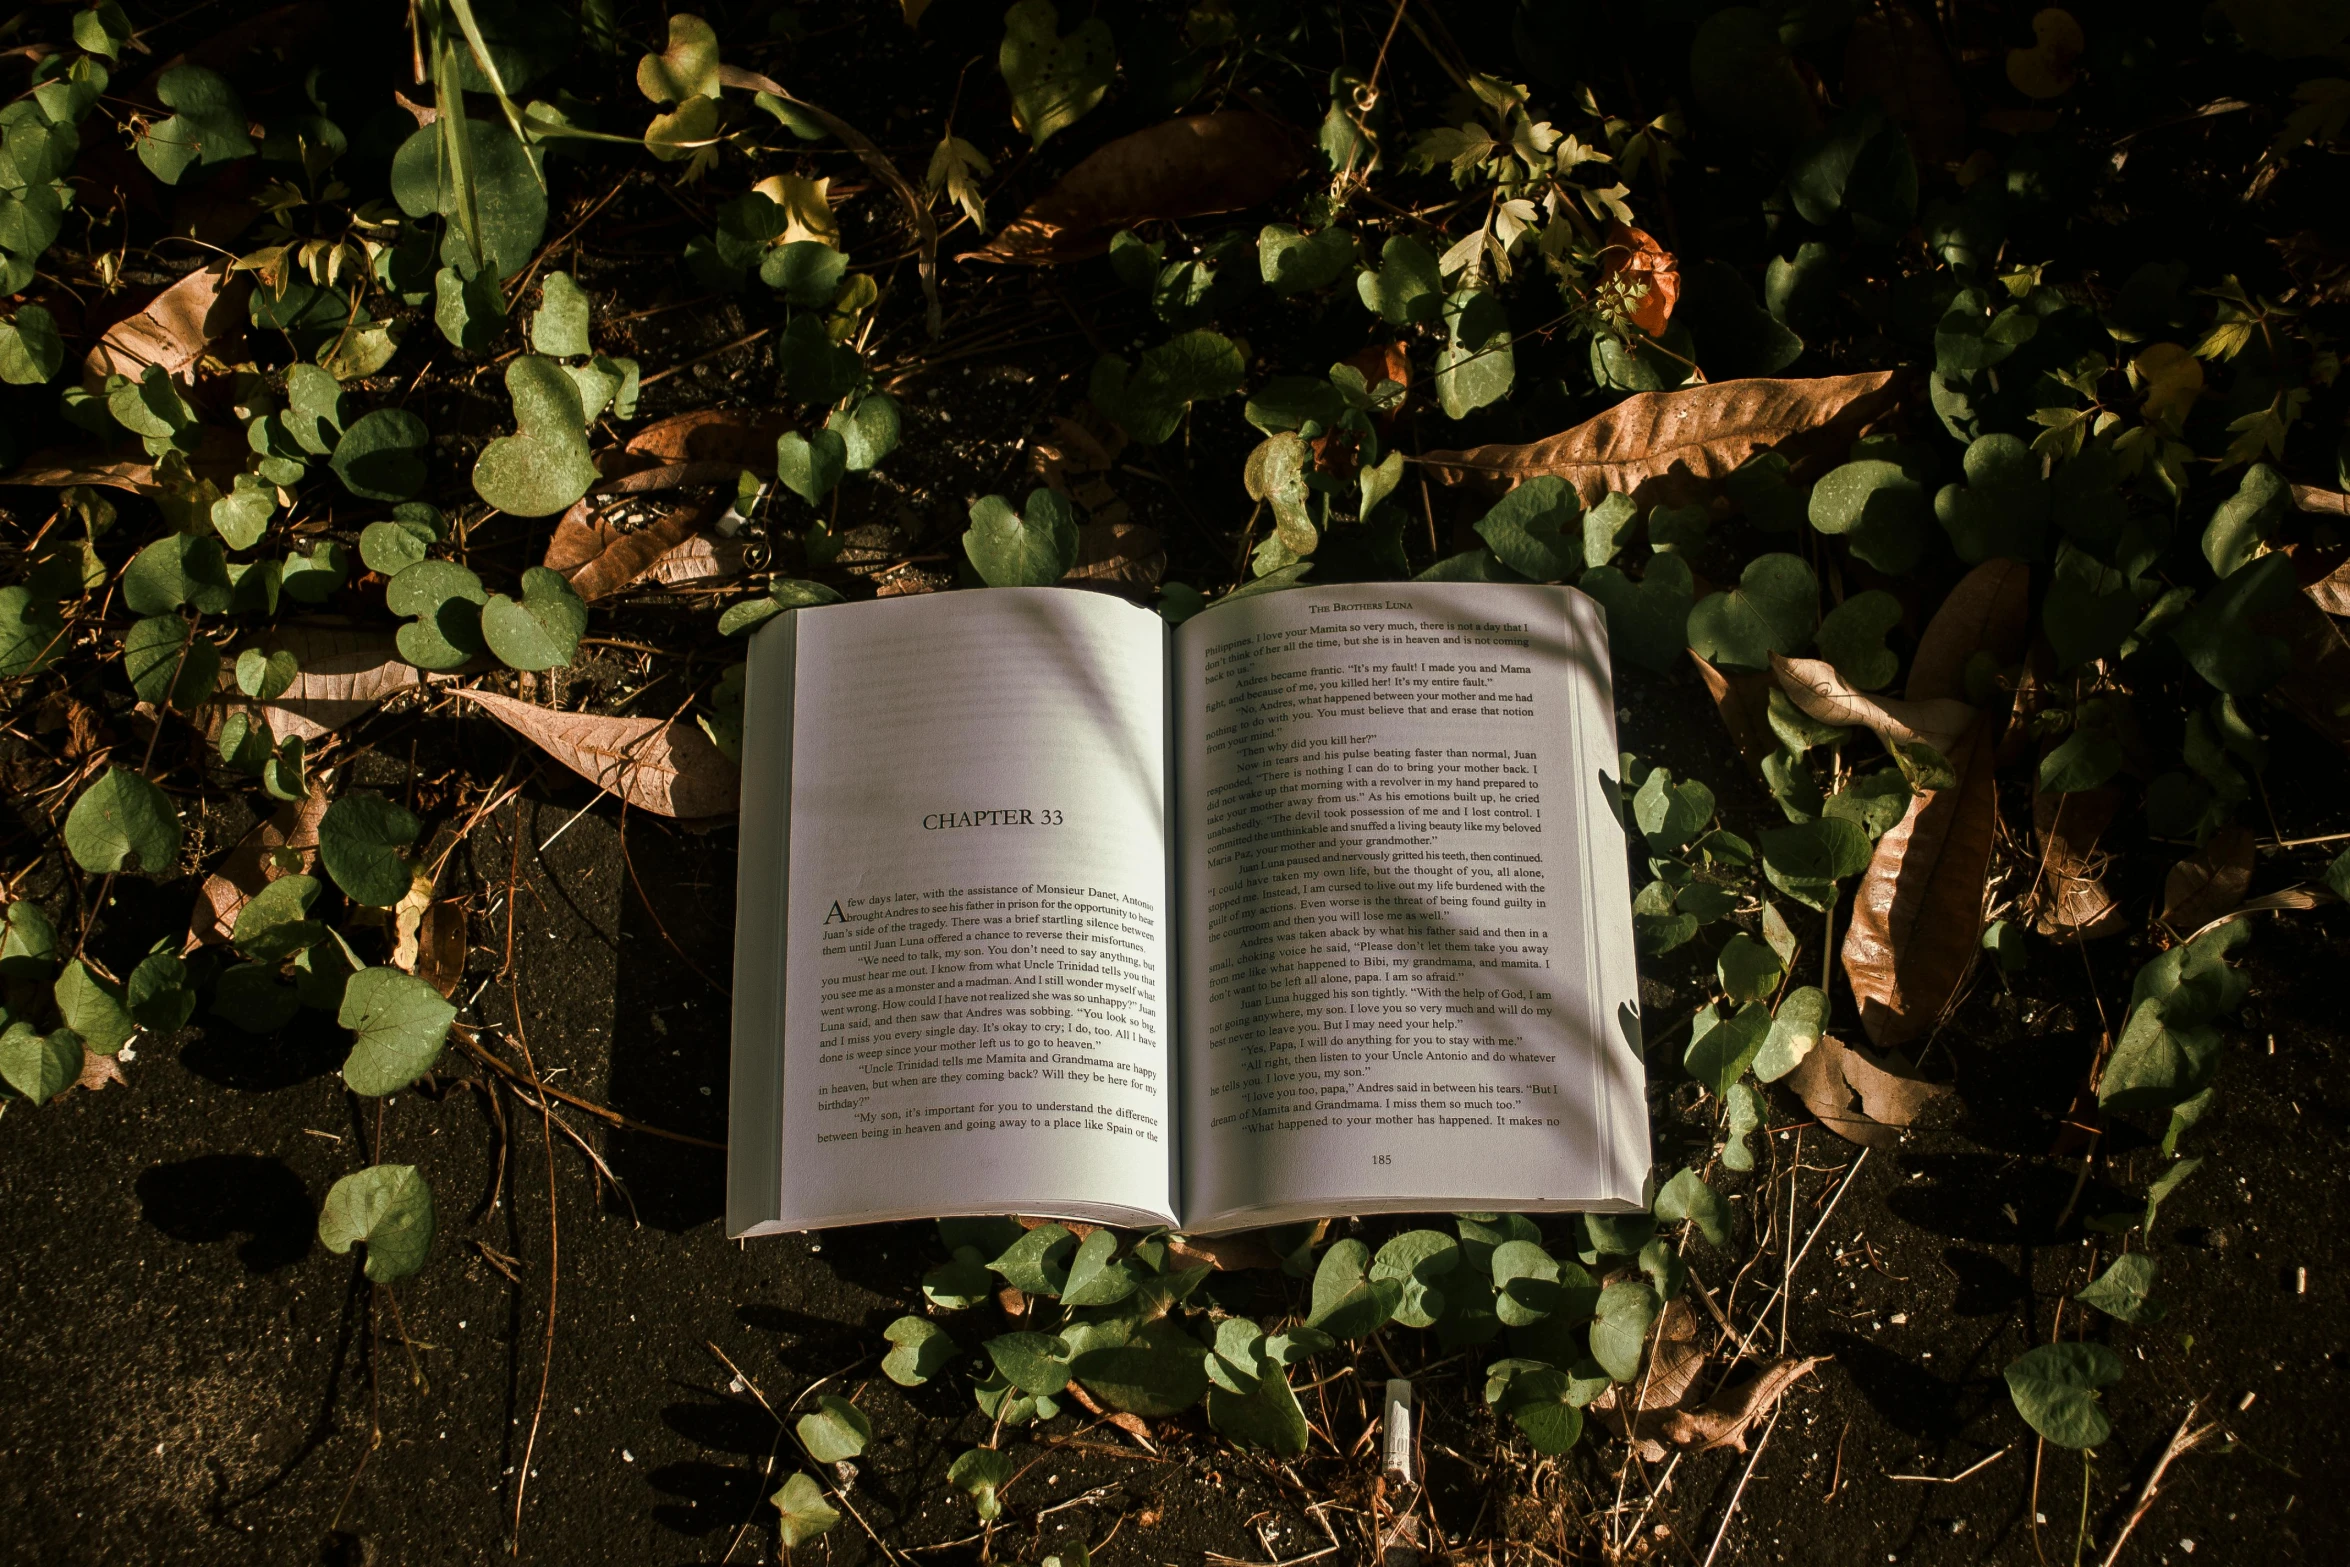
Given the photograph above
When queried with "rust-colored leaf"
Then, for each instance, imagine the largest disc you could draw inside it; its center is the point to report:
(1673, 445)
(1862, 1096)
(219, 456)
(175, 327)
(1989, 611)
(668, 768)
(343, 674)
(2070, 900)
(2209, 882)
(1814, 685)
(1639, 261)
(440, 945)
(98, 1071)
(1743, 698)
(248, 868)
(1893, 56)
(598, 558)
(1918, 912)
(700, 559)
(2317, 688)
(1725, 1418)
(741, 436)
(1181, 168)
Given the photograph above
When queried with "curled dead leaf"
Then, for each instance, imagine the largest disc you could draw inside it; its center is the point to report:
(1862, 1096)
(2069, 900)
(668, 768)
(740, 436)
(1186, 167)
(1118, 555)
(1636, 260)
(249, 866)
(174, 328)
(1743, 698)
(2209, 882)
(343, 674)
(1814, 685)
(597, 556)
(1674, 445)
(1918, 912)
(440, 945)
(700, 559)
(1989, 611)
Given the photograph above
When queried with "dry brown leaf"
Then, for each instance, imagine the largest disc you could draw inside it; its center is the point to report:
(174, 328)
(1180, 168)
(1814, 685)
(1632, 255)
(1893, 56)
(1918, 912)
(440, 945)
(1743, 698)
(1987, 612)
(1891, 1092)
(2070, 899)
(1660, 445)
(1118, 555)
(247, 868)
(597, 557)
(726, 435)
(701, 559)
(343, 674)
(98, 1071)
(2331, 592)
(2317, 689)
(219, 456)
(2209, 882)
(1675, 1359)
(668, 768)
(1730, 1414)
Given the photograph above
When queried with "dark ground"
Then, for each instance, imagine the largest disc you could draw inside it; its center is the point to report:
(190, 1375)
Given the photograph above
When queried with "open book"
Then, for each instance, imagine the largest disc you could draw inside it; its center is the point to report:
(1313, 905)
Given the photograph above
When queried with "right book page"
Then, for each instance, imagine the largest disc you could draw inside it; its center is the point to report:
(1406, 958)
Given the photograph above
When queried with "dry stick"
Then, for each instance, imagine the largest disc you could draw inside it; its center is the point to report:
(1787, 1284)
(1765, 1314)
(2181, 1441)
(727, 348)
(469, 1040)
(1741, 1491)
(554, 1250)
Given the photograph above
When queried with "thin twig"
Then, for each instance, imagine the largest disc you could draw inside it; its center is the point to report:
(1724, 1530)
(2182, 1441)
(554, 1267)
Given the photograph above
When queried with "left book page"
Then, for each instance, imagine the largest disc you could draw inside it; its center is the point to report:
(953, 947)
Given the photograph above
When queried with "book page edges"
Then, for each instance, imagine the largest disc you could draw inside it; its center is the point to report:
(754, 1116)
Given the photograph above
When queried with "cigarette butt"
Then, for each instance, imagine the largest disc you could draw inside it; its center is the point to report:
(1396, 1458)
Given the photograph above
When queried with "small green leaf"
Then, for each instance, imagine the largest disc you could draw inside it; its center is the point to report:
(1055, 81)
(1537, 529)
(1037, 1263)
(688, 68)
(400, 1022)
(1748, 970)
(2087, 759)
(1264, 1415)
(1720, 1054)
(447, 601)
(1347, 1301)
(390, 1208)
(362, 842)
(782, 595)
(1806, 861)
(31, 349)
(1686, 1196)
(806, 272)
(470, 309)
(1477, 364)
(1852, 637)
(1772, 610)
(1407, 287)
(177, 569)
(1094, 1279)
(167, 663)
(2003, 508)
(124, 823)
(1620, 1328)
(1670, 815)
(1794, 1033)
(1015, 550)
(922, 1350)
(37, 1065)
(2247, 520)
(32, 633)
(868, 432)
(559, 327)
(2124, 1290)
(209, 126)
(810, 465)
(980, 1471)
(381, 455)
(313, 578)
(249, 995)
(28, 943)
(1149, 398)
(806, 1514)
(836, 1431)
(242, 516)
(2055, 1390)
(94, 1009)
(542, 629)
(1416, 1259)
(389, 548)
(274, 925)
(544, 466)
(1648, 620)
(1294, 263)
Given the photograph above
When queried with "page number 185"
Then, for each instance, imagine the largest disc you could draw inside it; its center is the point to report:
(1383, 1158)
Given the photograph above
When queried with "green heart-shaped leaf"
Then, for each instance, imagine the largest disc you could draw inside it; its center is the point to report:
(1265, 1416)
(1348, 1302)
(31, 349)
(2055, 1390)
(1012, 549)
(1477, 364)
(1648, 620)
(470, 311)
(123, 823)
(167, 663)
(1748, 970)
(781, 595)
(390, 1208)
(835, 1432)
(37, 1065)
(1037, 1263)
(806, 272)
(1537, 529)
(2124, 1290)
(177, 569)
(249, 995)
(2002, 510)
(32, 633)
(806, 1515)
(362, 842)
(400, 1022)
(446, 600)
(1149, 398)
(1294, 263)
(810, 465)
(1794, 1033)
(923, 1349)
(544, 466)
(1407, 287)
(1035, 1363)
(542, 631)
(1054, 80)
(559, 327)
(1806, 861)
(2246, 520)
(2087, 759)
(314, 577)
(361, 351)
(688, 68)
(242, 516)
(274, 924)
(1620, 1328)
(1721, 1049)
(313, 414)
(506, 193)
(815, 368)
(1878, 509)
(868, 432)
(1852, 637)
(28, 943)
(1095, 1279)
(389, 548)
(1686, 1196)
(381, 456)
(208, 127)
(1772, 610)
(94, 1009)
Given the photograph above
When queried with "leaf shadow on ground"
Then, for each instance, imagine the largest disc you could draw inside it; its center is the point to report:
(214, 1197)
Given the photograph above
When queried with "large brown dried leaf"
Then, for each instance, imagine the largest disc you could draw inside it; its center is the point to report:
(1180, 168)
(1743, 698)
(1989, 611)
(2209, 882)
(1862, 1096)
(1814, 685)
(700, 559)
(219, 456)
(670, 769)
(343, 674)
(1730, 1414)
(2070, 899)
(728, 435)
(247, 869)
(175, 327)
(1670, 445)
(2331, 592)
(1918, 912)
(1118, 555)
(597, 558)
(1893, 56)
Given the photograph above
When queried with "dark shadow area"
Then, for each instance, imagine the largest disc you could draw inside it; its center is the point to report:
(215, 1196)
(723, 1424)
(811, 1345)
(1985, 1198)
(1987, 1287)
(311, 1046)
(2015, 1095)
(671, 1026)
(1909, 1397)
(709, 1497)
